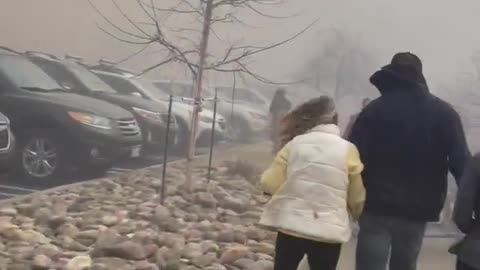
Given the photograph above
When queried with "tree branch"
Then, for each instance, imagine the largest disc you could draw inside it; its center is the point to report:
(226, 60)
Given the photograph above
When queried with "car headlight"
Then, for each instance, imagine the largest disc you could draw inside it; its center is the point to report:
(152, 116)
(91, 120)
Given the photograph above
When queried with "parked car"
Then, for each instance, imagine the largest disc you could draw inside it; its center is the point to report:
(151, 116)
(244, 96)
(127, 83)
(244, 121)
(7, 143)
(57, 130)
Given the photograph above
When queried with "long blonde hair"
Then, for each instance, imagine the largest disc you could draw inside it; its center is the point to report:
(306, 116)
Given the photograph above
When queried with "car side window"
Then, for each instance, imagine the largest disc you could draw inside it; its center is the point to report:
(122, 86)
(59, 74)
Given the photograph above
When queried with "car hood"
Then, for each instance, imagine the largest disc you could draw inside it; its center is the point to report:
(226, 108)
(185, 110)
(83, 104)
(128, 102)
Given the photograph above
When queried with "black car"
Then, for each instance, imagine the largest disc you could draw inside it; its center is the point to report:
(58, 132)
(7, 143)
(151, 116)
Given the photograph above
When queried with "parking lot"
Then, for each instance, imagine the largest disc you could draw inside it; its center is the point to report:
(11, 187)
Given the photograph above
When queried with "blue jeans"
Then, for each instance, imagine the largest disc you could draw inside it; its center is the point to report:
(388, 243)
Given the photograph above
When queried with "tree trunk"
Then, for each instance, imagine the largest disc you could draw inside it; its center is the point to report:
(197, 93)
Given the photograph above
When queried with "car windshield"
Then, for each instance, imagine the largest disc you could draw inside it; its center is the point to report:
(176, 89)
(150, 89)
(89, 79)
(241, 95)
(25, 74)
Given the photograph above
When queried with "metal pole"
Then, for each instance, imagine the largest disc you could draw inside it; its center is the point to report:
(233, 97)
(165, 151)
(212, 137)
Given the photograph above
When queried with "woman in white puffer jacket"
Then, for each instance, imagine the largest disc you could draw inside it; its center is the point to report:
(317, 188)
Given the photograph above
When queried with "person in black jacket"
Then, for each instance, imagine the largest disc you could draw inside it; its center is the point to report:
(279, 107)
(465, 215)
(353, 118)
(408, 140)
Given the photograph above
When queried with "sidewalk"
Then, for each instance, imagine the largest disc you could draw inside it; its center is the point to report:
(434, 256)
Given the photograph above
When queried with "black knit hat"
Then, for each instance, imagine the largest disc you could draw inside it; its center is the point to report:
(407, 59)
(406, 66)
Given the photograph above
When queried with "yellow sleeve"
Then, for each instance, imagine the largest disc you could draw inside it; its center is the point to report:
(356, 190)
(274, 177)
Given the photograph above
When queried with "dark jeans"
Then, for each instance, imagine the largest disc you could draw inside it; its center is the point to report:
(388, 242)
(290, 250)
(462, 266)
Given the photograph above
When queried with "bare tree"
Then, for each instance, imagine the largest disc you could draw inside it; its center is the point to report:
(340, 66)
(195, 56)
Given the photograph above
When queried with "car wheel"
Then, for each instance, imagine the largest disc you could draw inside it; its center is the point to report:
(238, 130)
(41, 158)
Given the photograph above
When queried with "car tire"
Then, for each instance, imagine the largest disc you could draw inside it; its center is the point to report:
(41, 158)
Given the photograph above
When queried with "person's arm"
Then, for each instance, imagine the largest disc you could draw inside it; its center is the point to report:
(356, 190)
(466, 199)
(359, 137)
(274, 177)
(458, 153)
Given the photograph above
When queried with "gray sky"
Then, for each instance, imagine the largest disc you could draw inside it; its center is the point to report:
(441, 32)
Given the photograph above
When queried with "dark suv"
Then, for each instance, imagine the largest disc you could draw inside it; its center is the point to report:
(57, 131)
(151, 116)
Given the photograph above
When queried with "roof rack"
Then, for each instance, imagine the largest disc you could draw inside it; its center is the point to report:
(109, 66)
(73, 57)
(4, 48)
(41, 54)
(106, 62)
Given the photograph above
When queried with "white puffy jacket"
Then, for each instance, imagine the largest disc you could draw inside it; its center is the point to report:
(322, 186)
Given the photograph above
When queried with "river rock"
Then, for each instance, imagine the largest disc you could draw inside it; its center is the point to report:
(79, 263)
(234, 204)
(256, 234)
(227, 236)
(262, 265)
(205, 199)
(41, 262)
(110, 220)
(244, 263)
(205, 260)
(6, 226)
(161, 212)
(8, 211)
(57, 221)
(110, 263)
(127, 250)
(230, 255)
(48, 250)
(263, 247)
(145, 265)
(192, 250)
(216, 266)
(33, 237)
(68, 229)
